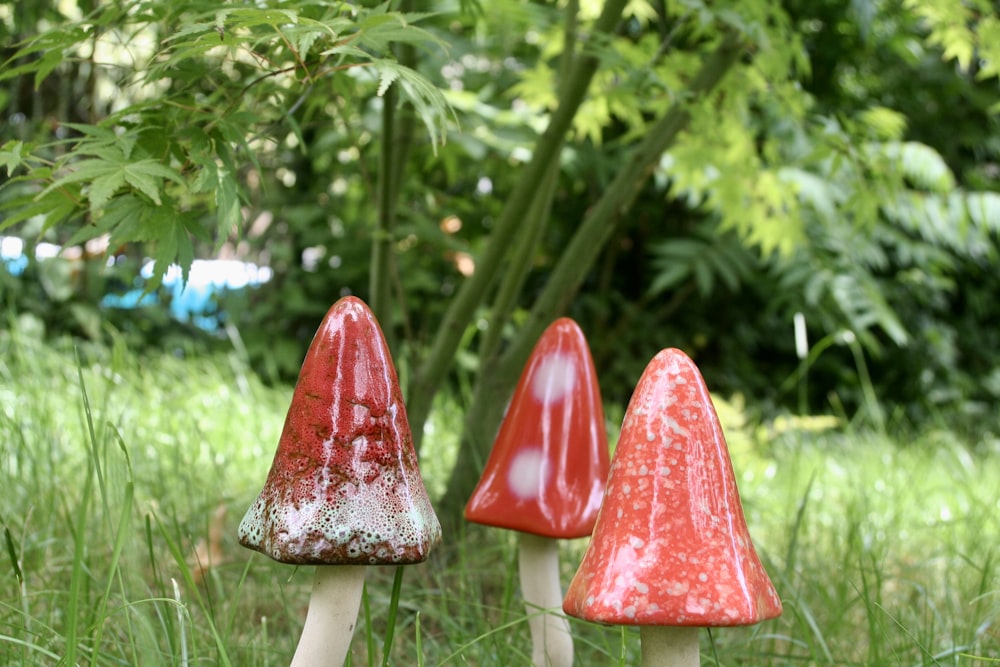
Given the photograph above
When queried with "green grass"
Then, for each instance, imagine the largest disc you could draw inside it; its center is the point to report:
(112, 466)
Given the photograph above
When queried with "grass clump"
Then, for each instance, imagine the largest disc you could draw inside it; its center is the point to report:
(122, 476)
(113, 468)
(884, 553)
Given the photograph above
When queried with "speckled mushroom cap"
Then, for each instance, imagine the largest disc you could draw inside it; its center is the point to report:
(671, 545)
(344, 487)
(546, 472)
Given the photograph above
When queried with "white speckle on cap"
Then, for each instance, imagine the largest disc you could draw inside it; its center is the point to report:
(677, 588)
(674, 426)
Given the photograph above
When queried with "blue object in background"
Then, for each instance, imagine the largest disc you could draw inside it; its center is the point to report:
(15, 263)
(133, 298)
(13, 257)
(194, 300)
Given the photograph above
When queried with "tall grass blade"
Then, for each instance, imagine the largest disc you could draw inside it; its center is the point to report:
(91, 432)
(12, 553)
(189, 582)
(234, 609)
(418, 640)
(800, 515)
(867, 387)
(715, 650)
(29, 646)
(871, 594)
(154, 566)
(181, 624)
(462, 648)
(369, 630)
(934, 659)
(79, 575)
(390, 630)
(121, 533)
(22, 588)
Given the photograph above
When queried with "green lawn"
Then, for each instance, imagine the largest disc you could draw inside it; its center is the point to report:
(112, 469)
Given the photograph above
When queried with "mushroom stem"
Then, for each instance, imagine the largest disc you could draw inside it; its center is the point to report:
(666, 646)
(552, 643)
(333, 613)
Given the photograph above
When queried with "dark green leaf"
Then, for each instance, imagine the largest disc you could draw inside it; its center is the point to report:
(102, 187)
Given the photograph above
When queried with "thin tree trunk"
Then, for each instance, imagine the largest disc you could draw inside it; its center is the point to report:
(538, 215)
(379, 293)
(519, 265)
(498, 378)
(397, 134)
(427, 379)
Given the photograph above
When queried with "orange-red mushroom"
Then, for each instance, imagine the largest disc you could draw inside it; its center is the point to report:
(545, 475)
(671, 551)
(344, 488)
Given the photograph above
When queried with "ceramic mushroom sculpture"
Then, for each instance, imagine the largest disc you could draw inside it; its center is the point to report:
(344, 490)
(545, 475)
(671, 552)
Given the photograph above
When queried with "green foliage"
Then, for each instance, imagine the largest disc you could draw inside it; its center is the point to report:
(205, 92)
(845, 169)
(706, 256)
(964, 31)
(893, 247)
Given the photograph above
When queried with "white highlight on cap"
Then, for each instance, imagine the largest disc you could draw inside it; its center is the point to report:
(554, 378)
(527, 472)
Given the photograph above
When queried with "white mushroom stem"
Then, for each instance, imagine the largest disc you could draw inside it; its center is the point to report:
(333, 613)
(552, 643)
(664, 646)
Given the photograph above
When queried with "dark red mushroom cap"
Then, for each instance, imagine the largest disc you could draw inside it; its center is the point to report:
(671, 545)
(344, 487)
(546, 472)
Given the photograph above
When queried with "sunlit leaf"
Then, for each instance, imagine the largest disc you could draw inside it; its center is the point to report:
(103, 187)
(886, 123)
(11, 155)
(922, 164)
(386, 77)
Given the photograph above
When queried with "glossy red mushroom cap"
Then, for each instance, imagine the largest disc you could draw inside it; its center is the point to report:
(546, 472)
(344, 487)
(671, 545)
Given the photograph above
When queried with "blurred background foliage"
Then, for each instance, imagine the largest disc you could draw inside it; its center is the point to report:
(849, 170)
